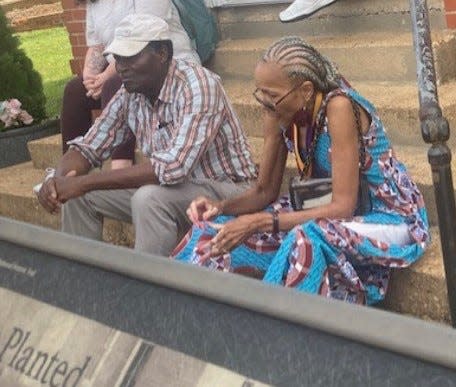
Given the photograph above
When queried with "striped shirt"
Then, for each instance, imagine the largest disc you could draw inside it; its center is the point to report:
(191, 131)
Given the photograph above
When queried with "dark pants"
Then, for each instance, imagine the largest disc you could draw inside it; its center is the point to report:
(76, 117)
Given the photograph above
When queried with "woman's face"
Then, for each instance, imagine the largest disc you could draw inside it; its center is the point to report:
(276, 92)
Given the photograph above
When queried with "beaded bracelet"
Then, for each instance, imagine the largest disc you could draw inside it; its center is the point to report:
(275, 222)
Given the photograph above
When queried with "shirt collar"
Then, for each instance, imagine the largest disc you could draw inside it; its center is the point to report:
(165, 92)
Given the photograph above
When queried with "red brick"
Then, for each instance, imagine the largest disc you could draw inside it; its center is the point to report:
(450, 5)
(78, 14)
(68, 4)
(79, 51)
(67, 17)
(451, 20)
(75, 27)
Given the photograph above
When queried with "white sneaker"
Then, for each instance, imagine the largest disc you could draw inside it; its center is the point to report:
(50, 172)
(300, 9)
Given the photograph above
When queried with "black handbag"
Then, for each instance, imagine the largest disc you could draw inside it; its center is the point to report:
(312, 192)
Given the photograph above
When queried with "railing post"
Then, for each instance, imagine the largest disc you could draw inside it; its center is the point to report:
(435, 130)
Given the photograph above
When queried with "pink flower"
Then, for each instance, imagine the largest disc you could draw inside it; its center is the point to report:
(26, 118)
(12, 114)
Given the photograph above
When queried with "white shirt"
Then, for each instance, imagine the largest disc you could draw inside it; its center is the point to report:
(103, 16)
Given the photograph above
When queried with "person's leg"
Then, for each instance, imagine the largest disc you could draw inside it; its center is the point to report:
(124, 154)
(159, 212)
(76, 114)
(300, 9)
(83, 216)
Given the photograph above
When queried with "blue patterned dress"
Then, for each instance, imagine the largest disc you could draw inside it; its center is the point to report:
(323, 256)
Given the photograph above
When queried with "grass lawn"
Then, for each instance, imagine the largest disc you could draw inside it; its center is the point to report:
(50, 52)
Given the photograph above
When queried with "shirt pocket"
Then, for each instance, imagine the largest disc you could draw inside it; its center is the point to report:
(162, 137)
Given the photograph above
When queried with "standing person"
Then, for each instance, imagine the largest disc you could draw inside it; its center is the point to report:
(311, 111)
(300, 9)
(183, 122)
(99, 81)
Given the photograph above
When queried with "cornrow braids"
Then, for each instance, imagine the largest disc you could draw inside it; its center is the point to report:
(302, 61)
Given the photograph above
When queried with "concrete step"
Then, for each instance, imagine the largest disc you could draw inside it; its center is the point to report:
(341, 18)
(17, 201)
(386, 56)
(10, 5)
(396, 103)
(39, 16)
(419, 290)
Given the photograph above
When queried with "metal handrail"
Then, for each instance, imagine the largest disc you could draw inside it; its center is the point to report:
(436, 131)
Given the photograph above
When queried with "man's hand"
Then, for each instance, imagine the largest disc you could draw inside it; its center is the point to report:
(68, 187)
(48, 195)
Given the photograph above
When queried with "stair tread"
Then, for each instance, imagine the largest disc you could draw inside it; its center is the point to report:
(18, 180)
(361, 39)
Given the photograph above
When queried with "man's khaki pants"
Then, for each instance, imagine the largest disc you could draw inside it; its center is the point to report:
(158, 213)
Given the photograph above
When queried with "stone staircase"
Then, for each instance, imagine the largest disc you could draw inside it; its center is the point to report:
(372, 44)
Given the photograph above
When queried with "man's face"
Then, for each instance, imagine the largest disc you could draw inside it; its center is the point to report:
(142, 73)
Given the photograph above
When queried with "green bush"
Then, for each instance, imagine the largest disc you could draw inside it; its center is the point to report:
(18, 79)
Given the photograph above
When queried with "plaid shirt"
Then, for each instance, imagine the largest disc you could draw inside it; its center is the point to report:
(190, 131)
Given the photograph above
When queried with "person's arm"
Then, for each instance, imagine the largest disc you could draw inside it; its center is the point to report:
(266, 188)
(100, 79)
(133, 177)
(108, 131)
(94, 62)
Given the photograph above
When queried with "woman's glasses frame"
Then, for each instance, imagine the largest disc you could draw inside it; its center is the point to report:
(273, 106)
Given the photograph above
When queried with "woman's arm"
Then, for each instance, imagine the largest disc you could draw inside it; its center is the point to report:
(267, 186)
(94, 62)
(344, 164)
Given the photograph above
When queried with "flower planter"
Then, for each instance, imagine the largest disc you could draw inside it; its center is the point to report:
(13, 143)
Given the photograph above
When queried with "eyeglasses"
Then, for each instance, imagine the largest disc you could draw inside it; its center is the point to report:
(259, 96)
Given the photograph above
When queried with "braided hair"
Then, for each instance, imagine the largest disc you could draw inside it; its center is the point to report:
(301, 61)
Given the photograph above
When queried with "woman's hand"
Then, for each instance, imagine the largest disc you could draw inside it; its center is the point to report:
(229, 236)
(96, 85)
(202, 209)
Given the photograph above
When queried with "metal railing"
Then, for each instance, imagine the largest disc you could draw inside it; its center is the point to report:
(435, 131)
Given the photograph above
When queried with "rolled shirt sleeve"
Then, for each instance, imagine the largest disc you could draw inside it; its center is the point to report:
(109, 130)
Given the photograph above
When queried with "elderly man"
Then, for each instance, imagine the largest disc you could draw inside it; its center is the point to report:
(184, 125)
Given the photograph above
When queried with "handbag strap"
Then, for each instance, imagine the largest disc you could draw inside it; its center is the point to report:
(362, 149)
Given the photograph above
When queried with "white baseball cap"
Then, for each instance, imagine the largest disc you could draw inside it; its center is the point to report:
(134, 32)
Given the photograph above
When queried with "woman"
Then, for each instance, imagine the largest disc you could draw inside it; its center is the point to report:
(323, 250)
(99, 81)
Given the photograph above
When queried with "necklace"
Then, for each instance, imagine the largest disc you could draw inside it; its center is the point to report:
(304, 162)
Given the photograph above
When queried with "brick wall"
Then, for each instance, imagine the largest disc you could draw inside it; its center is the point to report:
(74, 19)
(450, 13)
